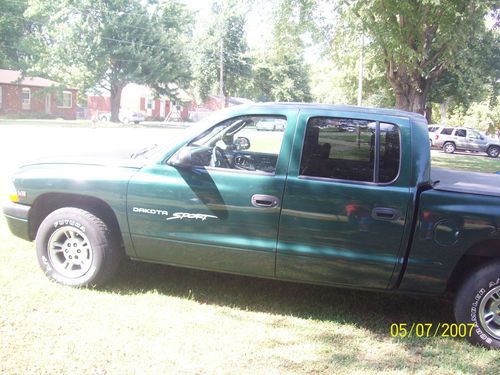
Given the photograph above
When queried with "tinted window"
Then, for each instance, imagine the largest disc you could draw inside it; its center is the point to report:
(447, 131)
(345, 149)
(250, 143)
(389, 152)
(461, 133)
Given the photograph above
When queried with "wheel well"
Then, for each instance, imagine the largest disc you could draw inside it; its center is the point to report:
(474, 258)
(47, 203)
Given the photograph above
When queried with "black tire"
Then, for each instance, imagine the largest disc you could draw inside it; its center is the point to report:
(449, 147)
(479, 296)
(493, 151)
(71, 235)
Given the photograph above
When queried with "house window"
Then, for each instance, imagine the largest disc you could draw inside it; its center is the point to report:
(65, 100)
(149, 104)
(26, 98)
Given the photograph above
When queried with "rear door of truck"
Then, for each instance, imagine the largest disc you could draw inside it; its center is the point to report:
(346, 199)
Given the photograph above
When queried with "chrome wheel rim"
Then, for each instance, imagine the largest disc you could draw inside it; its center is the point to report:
(70, 252)
(489, 312)
(494, 152)
(449, 148)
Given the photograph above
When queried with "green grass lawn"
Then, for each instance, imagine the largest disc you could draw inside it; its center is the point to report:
(466, 161)
(156, 319)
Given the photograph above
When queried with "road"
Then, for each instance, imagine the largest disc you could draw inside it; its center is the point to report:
(21, 144)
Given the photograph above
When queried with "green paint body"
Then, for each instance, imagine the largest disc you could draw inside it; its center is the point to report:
(203, 217)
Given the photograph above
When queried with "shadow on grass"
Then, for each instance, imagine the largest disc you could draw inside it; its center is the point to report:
(371, 310)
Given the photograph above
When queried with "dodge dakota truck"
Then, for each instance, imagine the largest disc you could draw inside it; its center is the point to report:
(332, 195)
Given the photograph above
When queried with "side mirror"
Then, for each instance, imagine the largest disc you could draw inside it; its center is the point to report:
(241, 143)
(181, 159)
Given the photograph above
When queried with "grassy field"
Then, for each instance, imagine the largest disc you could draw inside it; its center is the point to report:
(156, 319)
(465, 161)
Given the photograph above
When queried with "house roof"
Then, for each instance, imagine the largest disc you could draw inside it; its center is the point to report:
(14, 77)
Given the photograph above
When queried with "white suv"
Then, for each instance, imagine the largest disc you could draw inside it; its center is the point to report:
(466, 139)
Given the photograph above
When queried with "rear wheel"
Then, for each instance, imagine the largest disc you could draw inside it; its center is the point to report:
(478, 302)
(449, 147)
(493, 151)
(75, 247)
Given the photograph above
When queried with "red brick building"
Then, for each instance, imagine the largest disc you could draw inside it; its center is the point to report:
(35, 95)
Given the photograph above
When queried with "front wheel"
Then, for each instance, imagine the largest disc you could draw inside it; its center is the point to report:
(75, 247)
(493, 151)
(449, 148)
(478, 303)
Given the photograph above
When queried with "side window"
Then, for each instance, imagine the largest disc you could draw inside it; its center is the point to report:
(345, 149)
(249, 143)
(461, 133)
(65, 99)
(474, 135)
(447, 131)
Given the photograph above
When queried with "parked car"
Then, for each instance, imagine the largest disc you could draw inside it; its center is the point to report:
(128, 117)
(125, 117)
(466, 139)
(104, 116)
(433, 129)
(271, 124)
(311, 204)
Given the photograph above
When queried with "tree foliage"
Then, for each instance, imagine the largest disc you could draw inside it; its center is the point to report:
(280, 73)
(224, 40)
(108, 44)
(13, 30)
(419, 40)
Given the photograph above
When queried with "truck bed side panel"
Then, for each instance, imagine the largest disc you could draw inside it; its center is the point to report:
(449, 224)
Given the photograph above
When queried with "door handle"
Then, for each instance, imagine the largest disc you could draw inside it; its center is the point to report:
(262, 200)
(385, 214)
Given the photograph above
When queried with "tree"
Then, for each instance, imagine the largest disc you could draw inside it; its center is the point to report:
(109, 44)
(223, 64)
(281, 73)
(472, 78)
(13, 29)
(418, 40)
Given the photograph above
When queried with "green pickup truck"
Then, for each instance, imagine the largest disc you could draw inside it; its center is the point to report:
(331, 195)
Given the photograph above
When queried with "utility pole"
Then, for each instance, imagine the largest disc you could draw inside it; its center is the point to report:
(221, 69)
(361, 68)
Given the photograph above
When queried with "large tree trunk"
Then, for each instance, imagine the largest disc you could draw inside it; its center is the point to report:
(411, 93)
(116, 97)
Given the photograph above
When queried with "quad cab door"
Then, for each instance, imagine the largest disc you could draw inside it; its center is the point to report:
(219, 206)
(346, 199)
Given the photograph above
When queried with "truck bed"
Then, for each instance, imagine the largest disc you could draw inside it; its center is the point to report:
(466, 182)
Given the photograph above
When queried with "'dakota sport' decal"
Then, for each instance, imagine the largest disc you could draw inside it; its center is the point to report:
(175, 215)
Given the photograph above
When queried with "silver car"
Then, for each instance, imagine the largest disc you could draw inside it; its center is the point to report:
(465, 139)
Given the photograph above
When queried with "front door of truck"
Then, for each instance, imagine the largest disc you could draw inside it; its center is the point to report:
(222, 211)
(346, 199)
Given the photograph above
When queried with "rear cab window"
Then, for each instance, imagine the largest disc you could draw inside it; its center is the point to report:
(351, 150)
